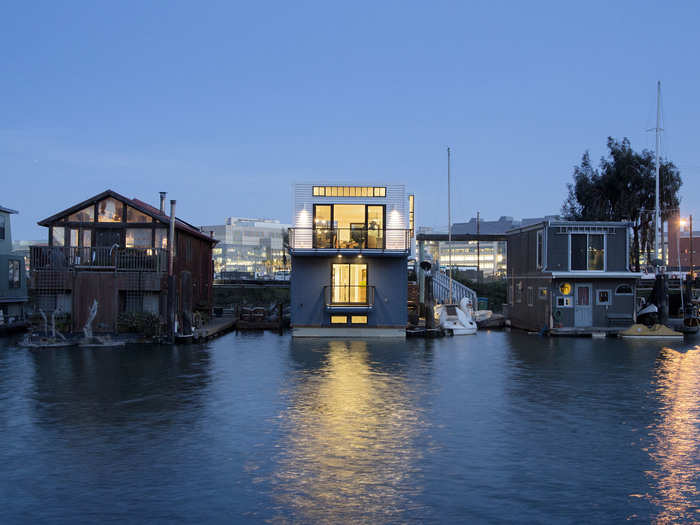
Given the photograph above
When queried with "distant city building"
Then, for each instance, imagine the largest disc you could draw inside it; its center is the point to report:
(492, 255)
(255, 246)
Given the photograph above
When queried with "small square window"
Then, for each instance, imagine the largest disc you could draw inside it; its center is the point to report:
(339, 319)
(604, 297)
(542, 292)
(564, 302)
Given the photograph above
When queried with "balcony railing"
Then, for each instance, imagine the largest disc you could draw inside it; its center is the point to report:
(126, 259)
(398, 240)
(349, 296)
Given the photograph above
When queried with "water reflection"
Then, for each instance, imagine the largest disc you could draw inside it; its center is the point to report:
(675, 446)
(116, 386)
(352, 422)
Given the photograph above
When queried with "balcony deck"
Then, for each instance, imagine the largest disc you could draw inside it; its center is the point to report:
(63, 258)
(350, 241)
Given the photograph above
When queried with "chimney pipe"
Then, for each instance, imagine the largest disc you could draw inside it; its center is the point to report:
(171, 238)
(162, 202)
(171, 278)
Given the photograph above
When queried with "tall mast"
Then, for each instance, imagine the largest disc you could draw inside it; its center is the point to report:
(449, 223)
(658, 228)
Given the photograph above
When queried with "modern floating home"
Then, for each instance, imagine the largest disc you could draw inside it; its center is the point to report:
(349, 248)
(570, 277)
(114, 250)
(13, 287)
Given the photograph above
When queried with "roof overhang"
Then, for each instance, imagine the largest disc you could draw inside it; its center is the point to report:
(596, 275)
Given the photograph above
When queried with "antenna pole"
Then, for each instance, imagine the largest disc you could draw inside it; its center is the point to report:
(657, 224)
(449, 222)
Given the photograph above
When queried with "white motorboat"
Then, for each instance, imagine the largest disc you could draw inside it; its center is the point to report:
(454, 320)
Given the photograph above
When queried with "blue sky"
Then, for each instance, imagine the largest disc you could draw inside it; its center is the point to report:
(225, 105)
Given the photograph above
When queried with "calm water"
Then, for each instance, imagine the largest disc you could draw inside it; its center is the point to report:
(493, 428)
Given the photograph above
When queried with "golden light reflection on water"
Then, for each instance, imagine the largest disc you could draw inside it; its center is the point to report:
(675, 447)
(349, 452)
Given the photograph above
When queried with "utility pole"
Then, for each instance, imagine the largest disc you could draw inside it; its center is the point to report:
(478, 251)
(658, 236)
(692, 269)
(449, 222)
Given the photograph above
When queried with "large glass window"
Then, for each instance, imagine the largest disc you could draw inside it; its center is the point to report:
(84, 215)
(375, 226)
(138, 237)
(58, 235)
(348, 226)
(14, 276)
(349, 220)
(596, 252)
(587, 251)
(323, 227)
(110, 210)
(134, 215)
(162, 238)
(349, 284)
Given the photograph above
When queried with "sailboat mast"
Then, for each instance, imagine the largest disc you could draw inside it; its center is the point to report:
(449, 223)
(657, 224)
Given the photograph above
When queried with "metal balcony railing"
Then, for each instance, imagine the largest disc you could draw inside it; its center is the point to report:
(348, 295)
(126, 259)
(398, 240)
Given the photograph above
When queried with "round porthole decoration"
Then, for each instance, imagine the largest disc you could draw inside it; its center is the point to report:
(565, 288)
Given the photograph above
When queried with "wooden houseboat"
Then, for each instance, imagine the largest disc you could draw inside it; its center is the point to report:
(114, 250)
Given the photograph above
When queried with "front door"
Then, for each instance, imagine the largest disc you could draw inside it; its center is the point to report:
(583, 305)
(106, 238)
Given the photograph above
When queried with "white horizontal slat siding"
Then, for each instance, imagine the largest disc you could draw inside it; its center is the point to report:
(396, 202)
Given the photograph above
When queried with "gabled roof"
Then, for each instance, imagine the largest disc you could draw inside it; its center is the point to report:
(7, 210)
(141, 206)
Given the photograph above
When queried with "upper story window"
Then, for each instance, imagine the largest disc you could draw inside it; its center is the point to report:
(110, 210)
(540, 249)
(2, 227)
(588, 251)
(84, 215)
(348, 226)
(349, 191)
(134, 215)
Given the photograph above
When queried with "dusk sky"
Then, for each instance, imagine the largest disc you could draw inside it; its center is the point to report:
(225, 105)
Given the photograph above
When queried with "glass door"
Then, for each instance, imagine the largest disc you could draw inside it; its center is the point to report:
(349, 284)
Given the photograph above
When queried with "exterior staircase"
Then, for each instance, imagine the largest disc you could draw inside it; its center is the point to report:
(441, 290)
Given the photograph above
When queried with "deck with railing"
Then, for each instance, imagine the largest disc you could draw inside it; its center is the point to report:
(352, 239)
(348, 297)
(59, 258)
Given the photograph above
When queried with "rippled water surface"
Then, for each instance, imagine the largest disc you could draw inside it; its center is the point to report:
(493, 428)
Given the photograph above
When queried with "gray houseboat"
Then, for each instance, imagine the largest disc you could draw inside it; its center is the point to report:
(13, 288)
(570, 277)
(349, 248)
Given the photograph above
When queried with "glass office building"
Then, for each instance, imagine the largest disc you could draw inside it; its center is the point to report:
(249, 246)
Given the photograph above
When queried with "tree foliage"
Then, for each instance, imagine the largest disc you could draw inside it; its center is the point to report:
(622, 188)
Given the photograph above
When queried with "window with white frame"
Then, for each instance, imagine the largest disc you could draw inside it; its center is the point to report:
(624, 289)
(604, 297)
(519, 292)
(530, 296)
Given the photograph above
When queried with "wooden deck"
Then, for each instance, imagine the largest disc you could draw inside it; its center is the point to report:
(216, 327)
